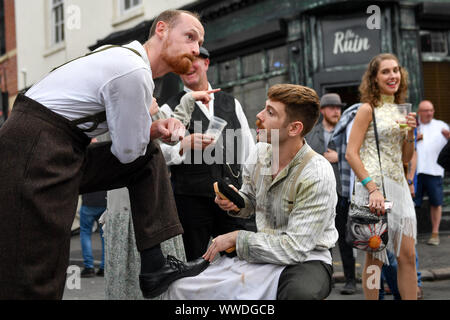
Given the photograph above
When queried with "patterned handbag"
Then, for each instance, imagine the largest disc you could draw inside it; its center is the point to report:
(366, 230)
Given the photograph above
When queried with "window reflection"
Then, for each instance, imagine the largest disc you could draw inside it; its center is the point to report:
(228, 71)
(258, 72)
(252, 64)
(433, 42)
(277, 58)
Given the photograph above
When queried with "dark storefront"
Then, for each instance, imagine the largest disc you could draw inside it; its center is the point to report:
(435, 55)
(322, 44)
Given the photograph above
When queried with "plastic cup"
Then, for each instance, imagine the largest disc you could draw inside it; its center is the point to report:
(215, 128)
(403, 109)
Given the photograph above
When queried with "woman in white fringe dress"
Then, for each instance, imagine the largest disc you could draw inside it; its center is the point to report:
(384, 85)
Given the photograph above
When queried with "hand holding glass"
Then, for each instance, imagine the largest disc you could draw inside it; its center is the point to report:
(404, 109)
(215, 128)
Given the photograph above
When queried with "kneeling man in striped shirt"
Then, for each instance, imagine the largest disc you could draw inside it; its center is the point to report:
(292, 191)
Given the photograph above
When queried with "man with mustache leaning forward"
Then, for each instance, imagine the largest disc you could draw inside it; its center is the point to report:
(292, 191)
(48, 162)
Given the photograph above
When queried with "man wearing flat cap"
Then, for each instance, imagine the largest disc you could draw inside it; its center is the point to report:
(320, 139)
(193, 182)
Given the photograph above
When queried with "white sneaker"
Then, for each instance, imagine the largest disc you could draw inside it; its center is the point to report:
(434, 241)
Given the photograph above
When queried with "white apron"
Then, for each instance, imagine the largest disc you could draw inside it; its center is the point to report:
(229, 279)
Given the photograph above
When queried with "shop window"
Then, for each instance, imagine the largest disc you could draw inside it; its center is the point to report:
(277, 58)
(254, 98)
(127, 5)
(434, 42)
(249, 77)
(213, 75)
(284, 78)
(252, 64)
(228, 71)
(57, 22)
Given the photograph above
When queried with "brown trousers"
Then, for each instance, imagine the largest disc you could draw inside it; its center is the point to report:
(46, 163)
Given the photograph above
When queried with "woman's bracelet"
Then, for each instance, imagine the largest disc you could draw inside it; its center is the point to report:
(370, 192)
(366, 181)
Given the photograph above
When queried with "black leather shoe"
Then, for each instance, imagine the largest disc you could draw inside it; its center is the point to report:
(88, 273)
(155, 283)
(349, 288)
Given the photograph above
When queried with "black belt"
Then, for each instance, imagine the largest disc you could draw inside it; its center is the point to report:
(96, 119)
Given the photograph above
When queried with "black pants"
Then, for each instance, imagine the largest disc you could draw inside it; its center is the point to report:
(201, 219)
(346, 250)
(309, 280)
(46, 165)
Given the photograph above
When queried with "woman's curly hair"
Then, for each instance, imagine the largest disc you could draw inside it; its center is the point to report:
(368, 89)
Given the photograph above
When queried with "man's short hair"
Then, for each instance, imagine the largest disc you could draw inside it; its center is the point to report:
(170, 17)
(302, 104)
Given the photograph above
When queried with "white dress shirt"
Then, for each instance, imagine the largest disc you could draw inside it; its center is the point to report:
(430, 146)
(172, 153)
(116, 80)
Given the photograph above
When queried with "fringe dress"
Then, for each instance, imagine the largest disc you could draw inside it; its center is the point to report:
(402, 218)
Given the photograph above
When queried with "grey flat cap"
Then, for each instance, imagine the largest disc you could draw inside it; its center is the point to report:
(204, 53)
(331, 99)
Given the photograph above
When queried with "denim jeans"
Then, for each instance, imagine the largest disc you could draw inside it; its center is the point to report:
(88, 215)
(389, 274)
(419, 274)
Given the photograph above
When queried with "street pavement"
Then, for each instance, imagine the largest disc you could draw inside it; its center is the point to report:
(434, 264)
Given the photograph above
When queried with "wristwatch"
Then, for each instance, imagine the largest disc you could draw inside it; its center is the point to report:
(410, 182)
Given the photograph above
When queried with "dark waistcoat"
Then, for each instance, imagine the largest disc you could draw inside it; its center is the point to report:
(193, 178)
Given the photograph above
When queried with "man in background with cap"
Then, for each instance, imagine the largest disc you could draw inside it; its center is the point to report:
(320, 136)
(320, 140)
(193, 182)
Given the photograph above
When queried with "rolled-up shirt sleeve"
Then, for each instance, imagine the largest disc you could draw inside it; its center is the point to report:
(127, 99)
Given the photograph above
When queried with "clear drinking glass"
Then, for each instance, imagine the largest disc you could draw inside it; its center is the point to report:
(404, 109)
(215, 128)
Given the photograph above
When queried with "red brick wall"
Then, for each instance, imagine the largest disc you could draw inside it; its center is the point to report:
(10, 25)
(9, 75)
(8, 69)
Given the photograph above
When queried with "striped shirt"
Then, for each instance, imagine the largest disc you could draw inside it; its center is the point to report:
(340, 139)
(294, 213)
